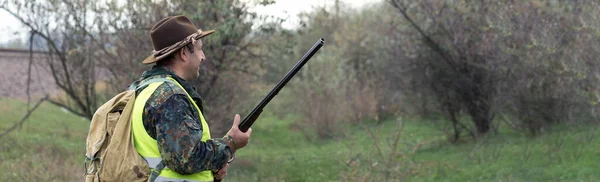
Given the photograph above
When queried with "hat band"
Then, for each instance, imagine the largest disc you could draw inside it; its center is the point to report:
(191, 38)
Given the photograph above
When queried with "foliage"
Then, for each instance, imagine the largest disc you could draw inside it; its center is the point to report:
(341, 85)
(488, 58)
(499, 71)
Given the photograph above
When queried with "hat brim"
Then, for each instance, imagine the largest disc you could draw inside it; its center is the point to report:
(151, 59)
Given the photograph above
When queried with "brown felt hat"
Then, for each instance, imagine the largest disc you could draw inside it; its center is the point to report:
(171, 34)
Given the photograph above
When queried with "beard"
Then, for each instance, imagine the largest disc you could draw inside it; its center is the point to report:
(198, 72)
(192, 73)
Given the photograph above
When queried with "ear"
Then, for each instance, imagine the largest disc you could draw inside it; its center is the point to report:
(183, 55)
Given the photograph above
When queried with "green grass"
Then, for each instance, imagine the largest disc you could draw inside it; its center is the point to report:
(277, 154)
(50, 147)
(566, 155)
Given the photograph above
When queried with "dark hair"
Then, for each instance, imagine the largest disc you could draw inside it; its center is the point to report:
(167, 61)
(190, 47)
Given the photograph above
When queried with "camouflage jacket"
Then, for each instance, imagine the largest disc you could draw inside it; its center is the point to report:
(170, 118)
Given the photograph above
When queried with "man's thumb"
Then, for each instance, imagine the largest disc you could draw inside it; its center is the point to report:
(236, 121)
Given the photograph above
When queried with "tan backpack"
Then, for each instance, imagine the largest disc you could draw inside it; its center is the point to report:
(110, 151)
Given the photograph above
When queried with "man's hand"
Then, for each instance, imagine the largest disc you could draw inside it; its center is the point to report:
(219, 175)
(240, 139)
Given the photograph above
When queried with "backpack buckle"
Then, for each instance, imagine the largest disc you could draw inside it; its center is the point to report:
(92, 164)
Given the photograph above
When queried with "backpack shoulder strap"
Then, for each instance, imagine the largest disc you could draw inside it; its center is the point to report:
(154, 172)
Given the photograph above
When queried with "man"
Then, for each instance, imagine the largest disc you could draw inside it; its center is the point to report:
(169, 130)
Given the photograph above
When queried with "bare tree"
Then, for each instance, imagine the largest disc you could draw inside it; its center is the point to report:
(459, 72)
(510, 61)
(102, 43)
(63, 28)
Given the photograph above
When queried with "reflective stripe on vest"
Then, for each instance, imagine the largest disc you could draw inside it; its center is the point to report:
(161, 178)
(147, 147)
(153, 161)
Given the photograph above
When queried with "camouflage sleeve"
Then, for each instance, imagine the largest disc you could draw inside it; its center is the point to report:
(178, 134)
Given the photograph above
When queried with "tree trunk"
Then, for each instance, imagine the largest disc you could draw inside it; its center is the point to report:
(481, 116)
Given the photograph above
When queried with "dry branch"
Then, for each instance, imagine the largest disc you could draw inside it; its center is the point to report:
(20, 123)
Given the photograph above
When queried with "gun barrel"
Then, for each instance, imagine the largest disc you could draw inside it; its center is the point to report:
(251, 118)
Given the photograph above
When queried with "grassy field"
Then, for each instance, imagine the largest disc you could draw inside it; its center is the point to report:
(564, 154)
(50, 147)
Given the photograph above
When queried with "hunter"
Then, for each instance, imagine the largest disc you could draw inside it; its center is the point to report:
(169, 129)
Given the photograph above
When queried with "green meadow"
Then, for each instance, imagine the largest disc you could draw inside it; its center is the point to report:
(49, 146)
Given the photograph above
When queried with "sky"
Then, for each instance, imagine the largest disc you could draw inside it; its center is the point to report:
(288, 9)
(9, 26)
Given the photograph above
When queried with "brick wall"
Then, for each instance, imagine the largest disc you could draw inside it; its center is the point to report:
(13, 74)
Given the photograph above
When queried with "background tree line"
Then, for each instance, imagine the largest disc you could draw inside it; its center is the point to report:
(95, 48)
(467, 66)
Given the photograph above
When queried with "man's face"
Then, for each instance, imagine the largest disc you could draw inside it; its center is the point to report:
(195, 59)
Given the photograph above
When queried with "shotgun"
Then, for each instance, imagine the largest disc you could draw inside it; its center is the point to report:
(251, 118)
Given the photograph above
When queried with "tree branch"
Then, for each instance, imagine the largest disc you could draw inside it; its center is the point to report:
(15, 126)
(36, 31)
(29, 69)
(67, 108)
(428, 40)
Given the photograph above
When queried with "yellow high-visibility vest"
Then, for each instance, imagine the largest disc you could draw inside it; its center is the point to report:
(147, 147)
